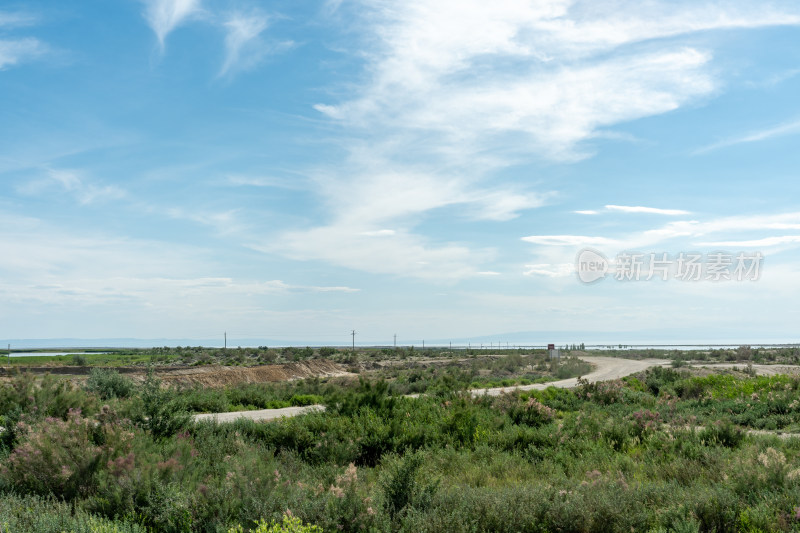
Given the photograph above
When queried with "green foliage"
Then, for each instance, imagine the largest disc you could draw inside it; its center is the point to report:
(619, 456)
(162, 414)
(108, 384)
(723, 433)
(532, 413)
(287, 525)
(167, 509)
(25, 399)
(401, 488)
(60, 457)
(600, 392)
(327, 351)
(368, 395)
(35, 514)
(571, 367)
(657, 378)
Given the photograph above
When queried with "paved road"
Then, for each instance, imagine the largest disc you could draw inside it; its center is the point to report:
(605, 368)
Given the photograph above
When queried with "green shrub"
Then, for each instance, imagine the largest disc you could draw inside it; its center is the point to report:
(288, 525)
(659, 377)
(34, 514)
(374, 396)
(327, 351)
(305, 399)
(167, 509)
(55, 457)
(532, 413)
(162, 413)
(572, 367)
(600, 392)
(401, 488)
(48, 396)
(109, 384)
(722, 433)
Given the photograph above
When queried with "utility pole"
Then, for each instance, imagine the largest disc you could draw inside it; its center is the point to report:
(353, 333)
(226, 340)
(423, 344)
(395, 340)
(9, 356)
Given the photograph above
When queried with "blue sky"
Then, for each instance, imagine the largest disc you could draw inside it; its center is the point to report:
(295, 170)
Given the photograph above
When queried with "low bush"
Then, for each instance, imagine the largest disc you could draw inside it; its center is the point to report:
(287, 525)
(108, 384)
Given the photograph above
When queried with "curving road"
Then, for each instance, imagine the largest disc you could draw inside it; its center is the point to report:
(605, 368)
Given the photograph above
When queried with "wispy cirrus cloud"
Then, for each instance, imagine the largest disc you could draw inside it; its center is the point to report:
(163, 16)
(85, 191)
(647, 210)
(473, 71)
(782, 130)
(244, 45)
(222, 222)
(689, 231)
(555, 253)
(86, 274)
(471, 88)
(633, 209)
(16, 51)
(16, 19)
(766, 242)
(267, 181)
(569, 240)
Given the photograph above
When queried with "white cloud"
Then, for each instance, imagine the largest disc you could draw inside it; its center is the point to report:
(687, 231)
(163, 16)
(403, 254)
(266, 181)
(569, 240)
(649, 210)
(788, 128)
(379, 233)
(243, 46)
(550, 270)
(166, 288)
(471, 88)
(586, 212)
(73, 182)
(756, 243)
(371, 198)
(223, 222)
(16, 51)
(474, 71)
(16, 19)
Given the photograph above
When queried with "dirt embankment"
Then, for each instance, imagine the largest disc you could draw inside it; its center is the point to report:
(221, 376)
(210, 376)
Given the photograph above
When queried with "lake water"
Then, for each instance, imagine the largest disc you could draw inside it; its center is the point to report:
(47, 354)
